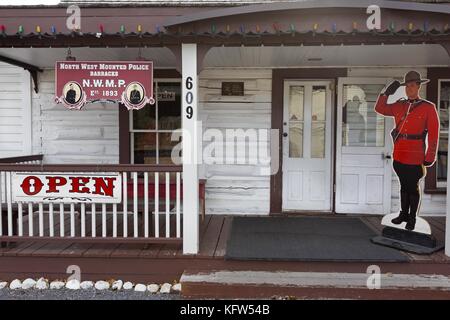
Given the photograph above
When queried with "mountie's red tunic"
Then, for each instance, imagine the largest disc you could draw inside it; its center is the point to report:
(422, 117)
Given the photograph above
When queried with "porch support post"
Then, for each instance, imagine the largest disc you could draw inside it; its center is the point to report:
(190, 147)
(446, 46)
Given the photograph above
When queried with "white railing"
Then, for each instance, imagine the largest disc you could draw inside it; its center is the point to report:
(149, 209)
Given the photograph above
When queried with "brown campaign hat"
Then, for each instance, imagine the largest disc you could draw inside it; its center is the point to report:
(413, 76)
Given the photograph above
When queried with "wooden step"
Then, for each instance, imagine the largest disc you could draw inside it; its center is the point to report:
(313, 285)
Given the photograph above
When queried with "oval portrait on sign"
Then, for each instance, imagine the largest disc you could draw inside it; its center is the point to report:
(135, 93)
(72, 92)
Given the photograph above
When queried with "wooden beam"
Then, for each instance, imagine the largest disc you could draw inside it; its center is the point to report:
(33, 70)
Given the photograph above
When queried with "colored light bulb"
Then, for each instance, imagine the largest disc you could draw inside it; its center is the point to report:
(38, 29)
(21, 29)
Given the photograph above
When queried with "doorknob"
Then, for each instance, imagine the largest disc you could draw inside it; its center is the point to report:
(285, 134)
(386, 156)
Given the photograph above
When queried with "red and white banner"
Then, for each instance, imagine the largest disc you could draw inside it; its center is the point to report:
(127, 82)
(67, 188)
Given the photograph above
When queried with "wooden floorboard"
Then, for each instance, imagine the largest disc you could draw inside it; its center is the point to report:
(223, 237)
(208, 244)
(213, 231)
(75, 250)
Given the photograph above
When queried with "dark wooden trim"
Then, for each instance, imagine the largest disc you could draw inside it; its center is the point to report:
(278, 77)
(432, 89)
(124, 118)
(90, 168)
(37, 157)
(164, 40)
(124, 135)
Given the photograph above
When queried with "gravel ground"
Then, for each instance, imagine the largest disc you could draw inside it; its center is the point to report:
(89, 294)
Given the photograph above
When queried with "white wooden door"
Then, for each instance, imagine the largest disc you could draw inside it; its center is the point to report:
(363, 148)
(307, 125)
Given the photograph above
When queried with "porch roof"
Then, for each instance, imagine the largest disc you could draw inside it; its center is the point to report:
(288, 23)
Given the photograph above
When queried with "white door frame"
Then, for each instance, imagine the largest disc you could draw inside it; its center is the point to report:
(329, 135)
(387, 146)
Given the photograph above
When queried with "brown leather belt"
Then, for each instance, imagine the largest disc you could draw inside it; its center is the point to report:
(405, 136)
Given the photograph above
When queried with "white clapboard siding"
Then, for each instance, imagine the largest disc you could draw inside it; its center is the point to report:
(90, 135)
(236, 188)
(431, 205)
(15, 111)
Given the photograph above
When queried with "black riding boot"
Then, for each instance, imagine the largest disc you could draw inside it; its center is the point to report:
(404, 202)
(414, 200)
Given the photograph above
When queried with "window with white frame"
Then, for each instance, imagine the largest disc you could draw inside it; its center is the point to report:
(442, 156)
(151, 127)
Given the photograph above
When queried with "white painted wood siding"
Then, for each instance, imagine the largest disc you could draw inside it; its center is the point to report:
(236, 188)
(90, 135)
(15, 111)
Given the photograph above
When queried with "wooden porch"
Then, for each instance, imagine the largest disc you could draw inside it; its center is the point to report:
(166, 262)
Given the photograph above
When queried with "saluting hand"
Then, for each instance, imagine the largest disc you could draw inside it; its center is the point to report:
(392, 88)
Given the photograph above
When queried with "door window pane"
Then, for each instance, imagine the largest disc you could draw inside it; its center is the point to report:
(165, 148)
(296, 102)
(361, 125)
(152, 126)
(318, 103)
(145, 148)
(318, 116)
(318, 139)
(169, 102)
(296, 140)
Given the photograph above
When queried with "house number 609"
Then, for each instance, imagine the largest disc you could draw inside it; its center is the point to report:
(189, 98)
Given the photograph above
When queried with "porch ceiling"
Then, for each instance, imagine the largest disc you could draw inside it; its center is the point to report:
(259, 57)
(373, 55)
(46, 57)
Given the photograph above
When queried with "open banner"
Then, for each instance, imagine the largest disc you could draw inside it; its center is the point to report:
(67, 188)
(126, 82)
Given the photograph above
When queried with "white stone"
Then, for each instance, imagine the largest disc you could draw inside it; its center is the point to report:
(140, 287)
(86, 285)
(73, 284)
(15, 284)
(153, 288)
(117, 285)
(41, 284)
(102, 285)
(56, 285)
(176, 287)
(127, 285)
(28, 284)
(165, 288)
(3, 285)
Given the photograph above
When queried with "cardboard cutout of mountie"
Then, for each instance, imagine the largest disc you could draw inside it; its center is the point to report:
(415, 142)
(126, 82)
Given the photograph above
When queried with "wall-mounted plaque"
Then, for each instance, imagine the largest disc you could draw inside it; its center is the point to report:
(232, 88)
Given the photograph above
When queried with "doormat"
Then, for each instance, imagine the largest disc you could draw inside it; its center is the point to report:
(306, 239)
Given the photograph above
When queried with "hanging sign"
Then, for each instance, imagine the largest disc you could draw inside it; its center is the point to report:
(126, 82)
(66, 188)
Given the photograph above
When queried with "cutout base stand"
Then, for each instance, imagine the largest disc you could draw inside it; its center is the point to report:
(409, 241)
